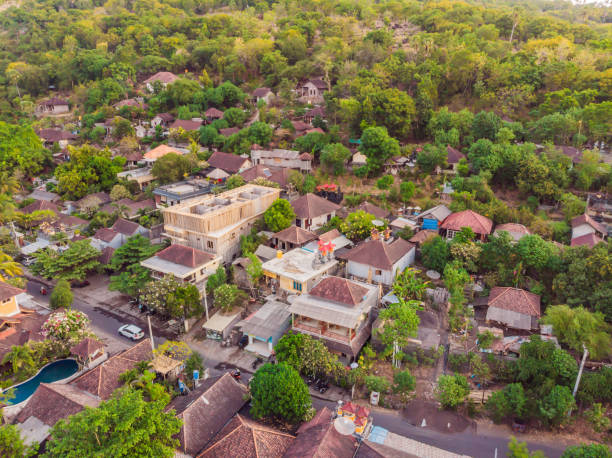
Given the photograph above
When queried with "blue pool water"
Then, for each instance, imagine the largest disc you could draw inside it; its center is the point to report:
(53, 372)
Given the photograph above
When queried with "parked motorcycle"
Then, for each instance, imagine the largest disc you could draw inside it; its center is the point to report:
(236, 374)
(256, 363)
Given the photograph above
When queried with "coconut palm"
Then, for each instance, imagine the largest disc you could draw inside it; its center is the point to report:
(20, 357)
(8, 267)
(9, 184)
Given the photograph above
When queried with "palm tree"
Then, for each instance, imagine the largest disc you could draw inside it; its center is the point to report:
(143, 366)
(9, 183)
(20, 357)
(7, 208)
(8, 267)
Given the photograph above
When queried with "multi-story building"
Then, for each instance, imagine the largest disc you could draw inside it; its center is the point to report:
(176, 193)
(214, 223)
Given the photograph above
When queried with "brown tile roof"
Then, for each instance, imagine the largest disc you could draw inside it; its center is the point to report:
(422, 236)
(23, 328)
(330, 235)
(311, 206)
(7, 291)
(186, 124)
(319, 439)
(162, 77)
(372, 209)
(68, 221)
(51, 402)
(185, 256)
(378, 254)
(160, 151)
(318, 83)
(295, 235)
(134, 157)
(166, 117)
(86, 347)
(55, 101)
(512, 227)
(468, 218)
(55, 135)
(228, 131)
(317, 111)
(245, 438)
(213, 113)
(300, 126)
(206, 410)
(453, 155)
(261, 92)
(102, 197)
(589, 240)
(104, 379)
(231, 163)
(515, 299)
(40, 205)
(340, 290)
(106, 255)
(125, 227)
(105, 234)
(278, 175)
(305, 157)
(586, 219)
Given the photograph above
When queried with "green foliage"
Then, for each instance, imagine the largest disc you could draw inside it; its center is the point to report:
(404, 382)
(577, 326)
(279, 215)
(520, 450)
(587, 451)
(72, 264)
(119, 192)
(598, 418)
(554, 408)
(131, 277)
(278, 391)
(452, 390)
(215, 280)
(384, 182)
(407, 190)
(507, 403)
(228, 296)
(21, 359)
(185, 302)
(61, 296)
(407, 285)
(432, 157)
(234, 181)
(11, 443)
(21, 148)
(194, 362)
(435, 253)
(357, 225)
(379, 384)
(102, 431)
(378, 146)
(171, 168)
(334, 156)
(399, 323)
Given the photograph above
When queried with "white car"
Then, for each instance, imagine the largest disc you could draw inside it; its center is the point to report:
(131, 332)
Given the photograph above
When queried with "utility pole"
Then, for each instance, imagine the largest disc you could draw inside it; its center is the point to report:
(205, 301)
(151, 332)
(585, 354)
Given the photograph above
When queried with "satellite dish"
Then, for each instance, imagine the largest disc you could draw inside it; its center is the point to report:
(344, 426)
(378, 223)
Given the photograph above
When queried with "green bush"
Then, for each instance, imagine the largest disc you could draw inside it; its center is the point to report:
(379, 384)
(452, 390)
(404, 382)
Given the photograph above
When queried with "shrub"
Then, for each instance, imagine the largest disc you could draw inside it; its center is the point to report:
(379, 384)
(452, 390)
(404, 382)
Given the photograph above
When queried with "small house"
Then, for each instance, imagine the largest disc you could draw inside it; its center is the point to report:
(160, 151)
(9, 304)
(162, 78)
(188, 125)
(312, 211)
(377, 212)
(266, 326)
(106, 237)
(128, 229)
(311, 115)
(162, 119)
(262, 93)
(279, 175)
(514, 230)
(220, 325)
(453, 156)
(143, 176)
(358, 160)
(311, 92)
(52, 106)
(587, 231)
(433, 217)
(229, 131)
(292, 237)
(230, 163)
(282, 158)
(212, 114)
(514, 308)
(89, 352)
(379, 261)
(481, 225)
(52, 136)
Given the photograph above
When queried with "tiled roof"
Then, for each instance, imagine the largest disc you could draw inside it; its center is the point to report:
(295, 235)
(160, 151)
(453, 155)
(319, 439)
(305, 157)
(423, 235)
(300, 126)
(106, 255)
(86, 347)
(24, 328)
(515, 299)
(229, 162)
(105, 234)
(185, 256)
(7, 291)
(206, 410)
(330, 235)
(104, 379)
(468, 218)
(512, 227)
(55, 101)
(213, 113)
(586, 219)
(378, 254)
(372, 209)
(125, 227)
(278, 175)
(40, 205)
(318, 83)
(102, 197)
(51, 402)
(245, 438)
(186, 124)
(162, 77)
(261, 92)
(317, 111)
(228, 131)
(340, 290)
(311, 206)
(166, 117)
(589, 240)
(55, 135)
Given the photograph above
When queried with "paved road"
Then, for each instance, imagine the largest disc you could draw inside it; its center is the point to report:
(103, 323)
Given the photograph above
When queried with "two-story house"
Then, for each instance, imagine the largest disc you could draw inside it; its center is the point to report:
(338, 312)
(282, 158)
(587, 231)
(312, 211)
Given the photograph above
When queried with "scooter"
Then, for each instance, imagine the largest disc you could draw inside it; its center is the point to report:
(236, 374)
(256, 363)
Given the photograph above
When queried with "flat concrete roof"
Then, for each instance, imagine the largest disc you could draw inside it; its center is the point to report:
(298, 264)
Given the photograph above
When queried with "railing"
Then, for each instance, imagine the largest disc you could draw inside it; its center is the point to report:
(320, 332)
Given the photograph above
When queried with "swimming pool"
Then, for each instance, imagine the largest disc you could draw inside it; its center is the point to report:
(52, 372)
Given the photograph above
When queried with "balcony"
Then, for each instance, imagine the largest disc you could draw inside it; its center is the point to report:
(321, 331)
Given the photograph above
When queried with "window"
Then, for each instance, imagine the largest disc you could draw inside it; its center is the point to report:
(297, 286)
(329, 217)
(378, 272)
(209, 244)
